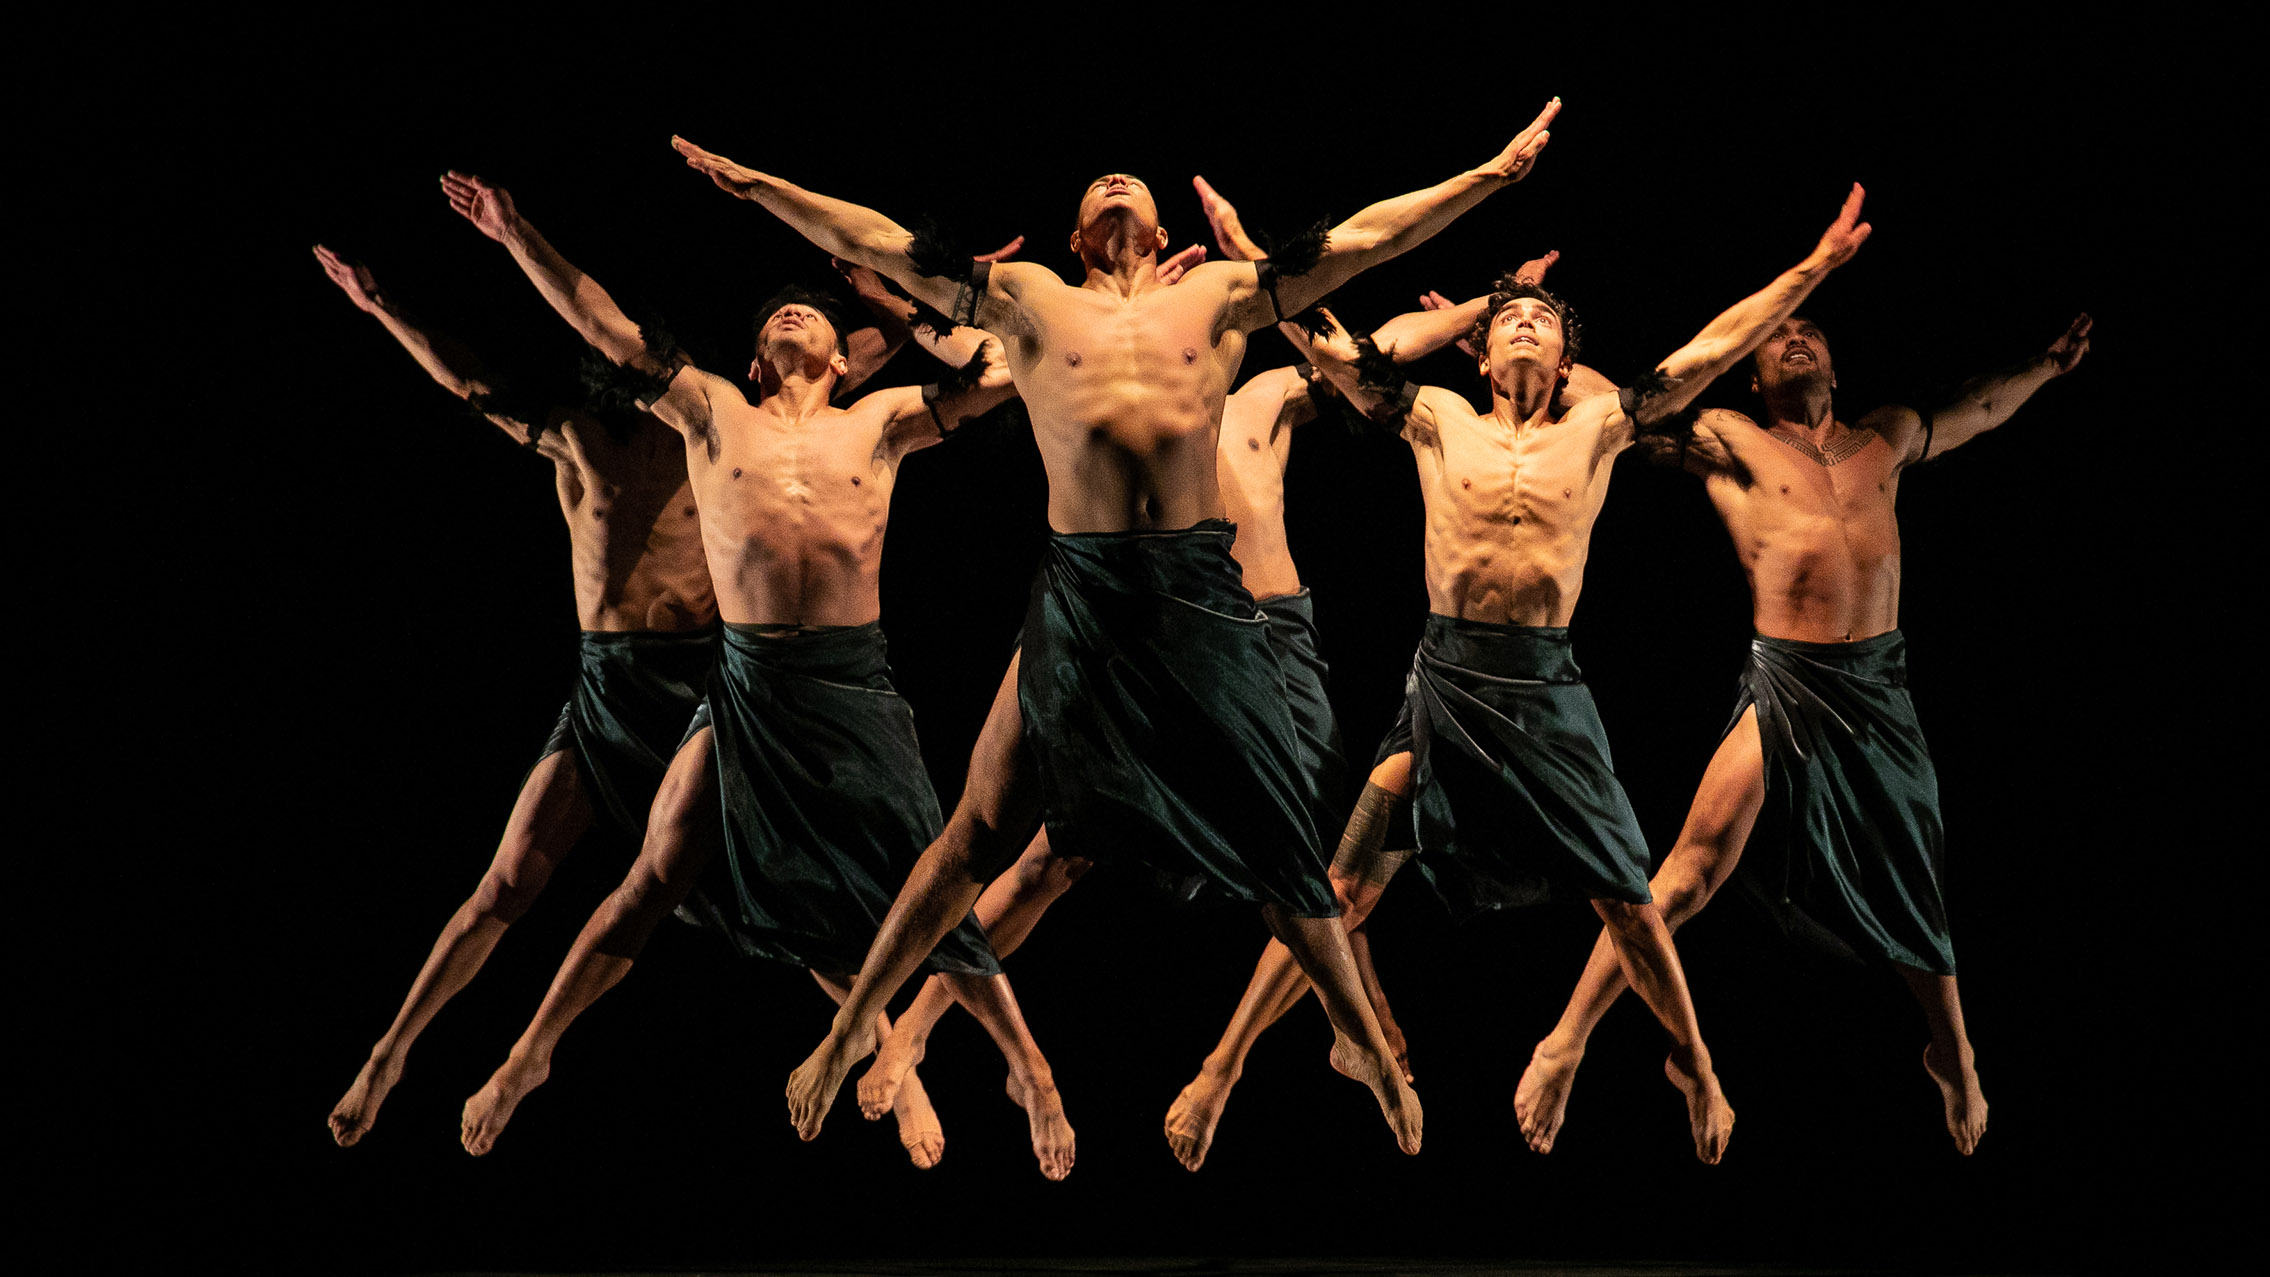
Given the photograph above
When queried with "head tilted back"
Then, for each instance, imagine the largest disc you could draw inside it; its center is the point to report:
(1509, 290)
(798, 295)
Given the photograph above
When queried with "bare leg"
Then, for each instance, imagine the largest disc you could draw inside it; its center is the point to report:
(997, 812)
(551, 813)
(1008, 910)
(1651, 966)
(1032, 1086)
(1948, 1059)
(682, 833)
(920, 1133)
(1359, 1049)
(1359, 875)
(1359, 948)
(1718, 824)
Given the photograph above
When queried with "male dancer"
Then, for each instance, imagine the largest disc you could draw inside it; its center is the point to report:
(1824, 739)
(1516, 797)
(643, 598)
(1138, 606)
(1254, 447)
(817, 785)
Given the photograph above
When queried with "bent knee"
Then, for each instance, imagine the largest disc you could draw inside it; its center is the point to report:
(1681, 893)
(504, 900)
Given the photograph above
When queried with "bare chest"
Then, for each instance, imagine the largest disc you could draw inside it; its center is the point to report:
(766, 473)
(1094, 359)
(1549, 478)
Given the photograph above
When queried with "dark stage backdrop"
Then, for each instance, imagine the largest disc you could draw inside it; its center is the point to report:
(370, 605)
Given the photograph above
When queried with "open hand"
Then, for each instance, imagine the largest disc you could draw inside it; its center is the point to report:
(1520, 155)
(1229, 232)
(730, 177)
(1172, 268)
(1003, 253)
(1436, 301)
(2066, 351)
(1845, 236)
(1532, 272)
(488, 207)
(353, 279)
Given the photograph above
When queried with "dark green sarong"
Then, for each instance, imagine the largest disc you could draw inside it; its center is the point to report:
(827, 803)
(635, 691)
(1848, 852)
(1515, 797)
(1292, 635)
(1156, 720)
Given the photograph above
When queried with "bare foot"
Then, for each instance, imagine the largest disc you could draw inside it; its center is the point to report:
(1541, 1099)
(894, 1060)
(1396, 1099)
(1194, 1113)
(1966, 1104)
(1709, 1116)
(1395, 1043)
(357, 1110)
(812, 1087)
(1052, 1133)
(919, 1132)
(491, 1106)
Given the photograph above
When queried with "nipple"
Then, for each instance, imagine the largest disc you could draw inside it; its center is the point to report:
(1072, 357)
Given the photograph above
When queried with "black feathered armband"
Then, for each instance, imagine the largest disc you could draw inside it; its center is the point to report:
(1669, 437)
(505, 399)
(932, 254)
(611, 386)
(1378, 373)
(959, 380)
(1297, 255)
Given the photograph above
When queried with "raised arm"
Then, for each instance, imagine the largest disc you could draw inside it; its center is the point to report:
(667, 385)
(856, 234)
(1733, 335)
(451, 366)
(576, 296)
(1984, 402)
(978, 383)
(1395, 226)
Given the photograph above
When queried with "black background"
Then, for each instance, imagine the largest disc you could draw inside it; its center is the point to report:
(361, 599)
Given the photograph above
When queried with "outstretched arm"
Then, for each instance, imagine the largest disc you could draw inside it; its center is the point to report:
(1395, 226)
(980, 382)
(451, 366)
(1986, 402)
(1733, 335)
(576, 296)
(682, 399)
(846, 230)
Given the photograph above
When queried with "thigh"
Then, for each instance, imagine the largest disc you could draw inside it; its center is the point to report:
(551, 813)
(1726, 805)
(686, 825)
(1000, 803)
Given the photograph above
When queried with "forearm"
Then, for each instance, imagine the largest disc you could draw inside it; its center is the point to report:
(452, 367)
(1404, 222)
(850, 231)
(1986, 402)
(1420, 333)
(576, 296)
(1730, 337)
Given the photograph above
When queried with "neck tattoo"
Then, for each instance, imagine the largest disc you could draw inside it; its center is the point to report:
(1844, 448)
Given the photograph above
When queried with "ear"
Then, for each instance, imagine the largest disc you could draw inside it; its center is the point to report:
(754, 366)
(1075, 241)
(1162, 238)
(839, 365)
(1754, 384)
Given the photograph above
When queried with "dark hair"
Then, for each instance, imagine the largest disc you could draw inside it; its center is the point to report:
(1505, 292)
(797, 295)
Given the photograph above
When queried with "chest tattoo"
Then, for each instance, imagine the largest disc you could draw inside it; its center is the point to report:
(1844, 449)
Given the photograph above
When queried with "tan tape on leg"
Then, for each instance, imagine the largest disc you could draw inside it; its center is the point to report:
(1360, 855)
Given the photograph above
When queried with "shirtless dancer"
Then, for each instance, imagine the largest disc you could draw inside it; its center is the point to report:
(1138, 605)
(804, 761)
(1825, 740)
(1515, 795)
(1254, 448)
(1360, 866)
(643, 599)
